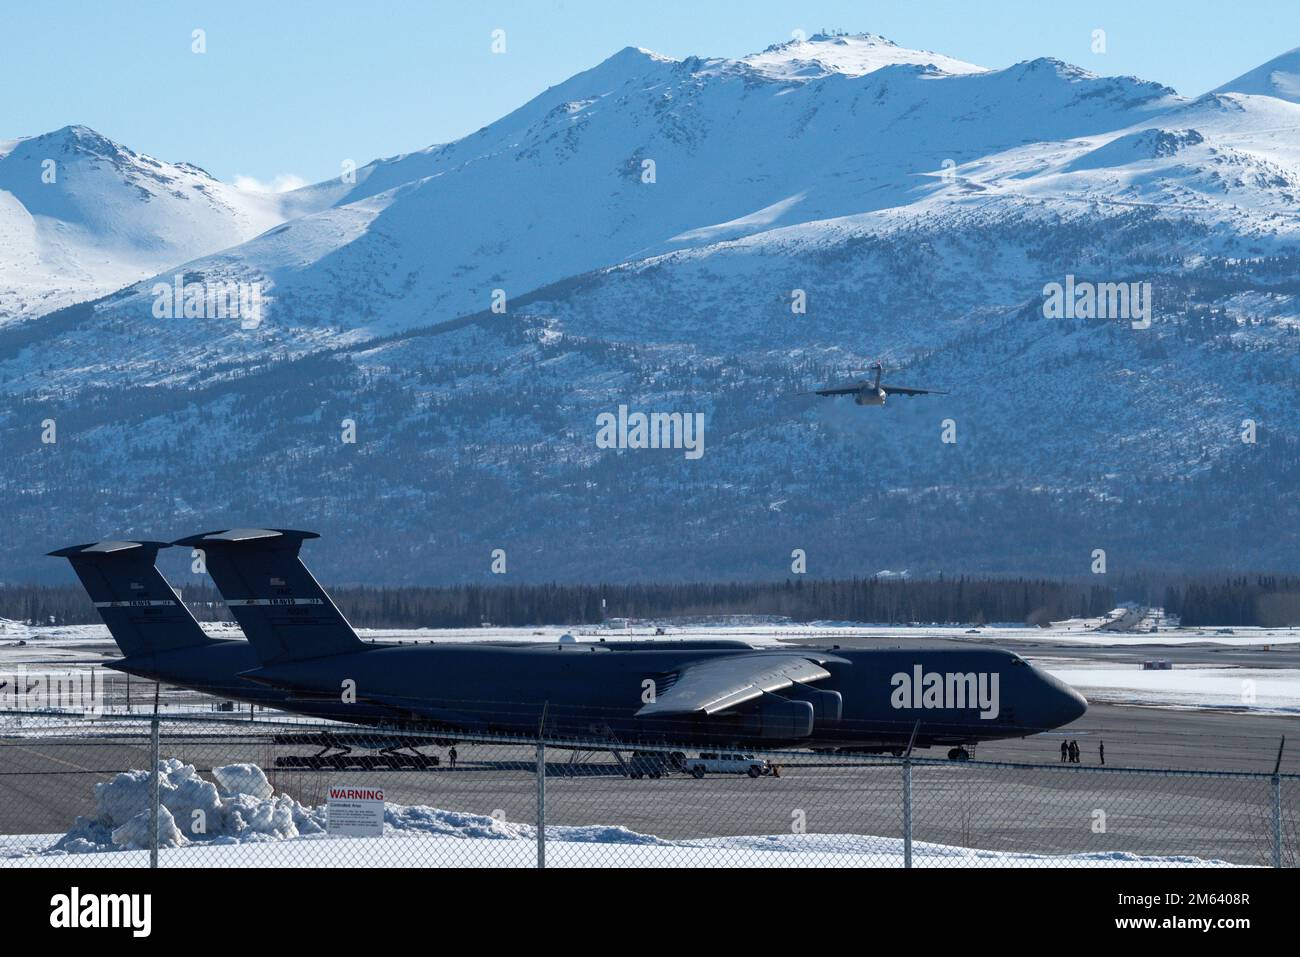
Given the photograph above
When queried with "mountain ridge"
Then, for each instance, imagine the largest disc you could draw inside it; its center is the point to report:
(921, 212)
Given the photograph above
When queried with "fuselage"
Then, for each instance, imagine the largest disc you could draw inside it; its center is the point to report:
(939, 695)
(215, 669)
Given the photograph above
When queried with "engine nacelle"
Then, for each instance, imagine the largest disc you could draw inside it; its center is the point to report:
(774, 717)
(828, 706)
(869, 396)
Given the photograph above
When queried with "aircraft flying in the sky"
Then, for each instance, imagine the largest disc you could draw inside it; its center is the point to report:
(302, 656)
(871, 391)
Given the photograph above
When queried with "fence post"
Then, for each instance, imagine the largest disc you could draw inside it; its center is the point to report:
(1277, 805)
(541, 804)
(541, 786)
(155, 755)
(907, 812)
(1277, 820)
(907, 797)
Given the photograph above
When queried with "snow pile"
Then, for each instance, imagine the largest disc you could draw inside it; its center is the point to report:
(236, 779)
(135, 833)
(436, 822)
(243, 808)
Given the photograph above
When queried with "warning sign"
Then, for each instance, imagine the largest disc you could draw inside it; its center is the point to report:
(356, 811)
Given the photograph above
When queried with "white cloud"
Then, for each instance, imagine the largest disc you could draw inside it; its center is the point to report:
(279, 184)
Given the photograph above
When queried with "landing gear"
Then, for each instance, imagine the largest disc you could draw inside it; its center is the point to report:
(388, 759)
(336, 754)
(959, 754)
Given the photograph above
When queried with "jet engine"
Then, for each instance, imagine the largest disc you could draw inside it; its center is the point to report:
(774, 717)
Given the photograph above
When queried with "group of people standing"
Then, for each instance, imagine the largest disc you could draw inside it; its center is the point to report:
(1070, 752)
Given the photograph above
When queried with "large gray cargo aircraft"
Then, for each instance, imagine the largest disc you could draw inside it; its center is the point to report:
(870, 391)
(302, 656)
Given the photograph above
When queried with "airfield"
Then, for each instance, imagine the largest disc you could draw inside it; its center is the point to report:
(1223, 706)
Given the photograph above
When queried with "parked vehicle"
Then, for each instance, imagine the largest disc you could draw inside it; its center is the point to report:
(714, 762)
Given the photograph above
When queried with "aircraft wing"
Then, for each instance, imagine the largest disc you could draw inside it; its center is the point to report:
(847, 388)
(717, 684)
(903, 390)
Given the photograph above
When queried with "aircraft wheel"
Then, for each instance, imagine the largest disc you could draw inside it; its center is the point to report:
(697, 772)
(958, 754)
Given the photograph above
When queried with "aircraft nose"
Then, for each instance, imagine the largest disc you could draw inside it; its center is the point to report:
(1073, 706)
(1062, 703)
(1067, 704)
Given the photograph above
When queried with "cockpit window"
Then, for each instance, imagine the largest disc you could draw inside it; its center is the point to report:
(1017, 660)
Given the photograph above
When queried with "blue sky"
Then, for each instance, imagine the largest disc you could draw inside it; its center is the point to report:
(289, 89)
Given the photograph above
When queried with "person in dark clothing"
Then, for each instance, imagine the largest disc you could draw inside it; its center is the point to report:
(1074, 752)
(1101, 751)
(451, 757)
(1065, 752)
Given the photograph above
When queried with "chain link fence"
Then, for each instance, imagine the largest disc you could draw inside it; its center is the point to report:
(202, 791)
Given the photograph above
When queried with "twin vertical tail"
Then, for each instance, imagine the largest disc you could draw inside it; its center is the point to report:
(282, 609)
(142, 611)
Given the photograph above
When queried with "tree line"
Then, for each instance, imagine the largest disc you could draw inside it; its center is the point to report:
(948, 601)
(1264, 600)
(1261, 600)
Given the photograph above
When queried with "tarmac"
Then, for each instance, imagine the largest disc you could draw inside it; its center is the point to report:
(1040, 805)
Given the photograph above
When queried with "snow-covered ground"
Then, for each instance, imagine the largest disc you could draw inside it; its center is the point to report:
(46, 642)
(1257, 690)
(245, 824)
(807, 850)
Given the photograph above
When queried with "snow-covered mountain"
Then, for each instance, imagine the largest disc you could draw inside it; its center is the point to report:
(858, 55)
(1279, 77)
(82, 216)
(558, 188)
(649, 222)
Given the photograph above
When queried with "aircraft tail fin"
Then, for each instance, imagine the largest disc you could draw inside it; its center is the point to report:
(142, 611)
(283, 610)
